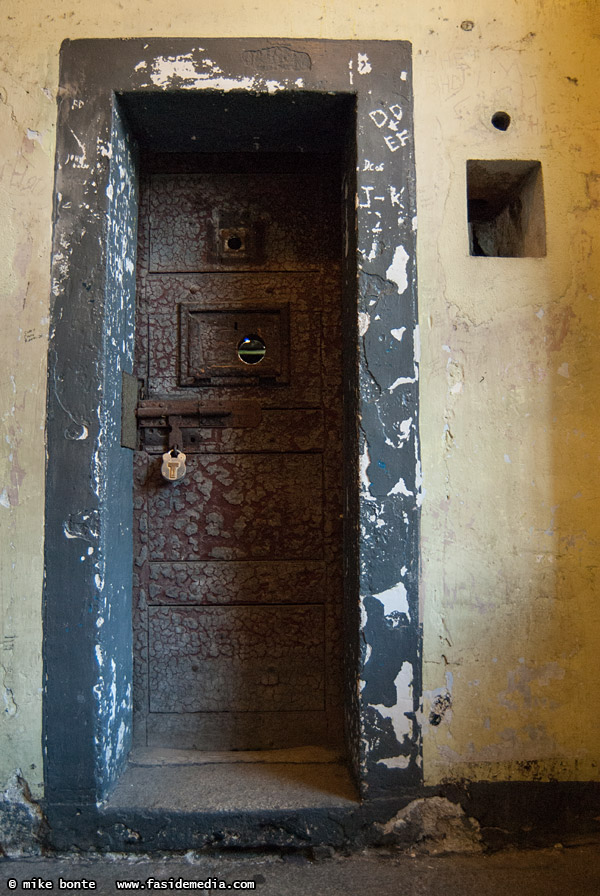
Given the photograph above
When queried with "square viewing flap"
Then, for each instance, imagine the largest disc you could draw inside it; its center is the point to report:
(505, 202)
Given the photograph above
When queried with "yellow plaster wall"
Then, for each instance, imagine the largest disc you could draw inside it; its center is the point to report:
(508, 375)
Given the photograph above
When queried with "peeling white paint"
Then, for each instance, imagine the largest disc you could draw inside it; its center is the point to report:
(185, 72)
(113, 691)
(419, 480)
(98, 479)
(395, 762)
(274, 86)
(365, 461)
(4, 499)
(398, 333)
(364, 320)
(401, 381)
(404, 703)
(405, 428)
(394, 600)
(363, 614)
(167, 68)
(396, 272)
(400, 489)
(121, 737)
(104, 149)
(374, 251)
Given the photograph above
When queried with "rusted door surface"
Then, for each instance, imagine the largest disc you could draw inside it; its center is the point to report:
(237, 618)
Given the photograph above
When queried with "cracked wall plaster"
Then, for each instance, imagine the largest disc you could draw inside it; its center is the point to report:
(22, 822)
(433, 826)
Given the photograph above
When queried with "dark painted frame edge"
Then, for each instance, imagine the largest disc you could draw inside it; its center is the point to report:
(378, 565)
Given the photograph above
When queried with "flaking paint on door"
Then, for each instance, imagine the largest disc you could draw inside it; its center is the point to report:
(238, 571)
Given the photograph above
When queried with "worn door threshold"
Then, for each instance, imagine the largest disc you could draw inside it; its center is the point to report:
(190, 800)
(234, 781)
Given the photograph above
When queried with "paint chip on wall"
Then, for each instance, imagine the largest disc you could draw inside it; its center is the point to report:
(402, 724)
(397, 270)
(394, 600)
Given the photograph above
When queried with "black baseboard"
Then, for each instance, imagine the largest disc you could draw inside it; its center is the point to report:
(529, 813)
(522, 814)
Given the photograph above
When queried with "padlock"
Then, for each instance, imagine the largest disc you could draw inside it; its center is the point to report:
(173, 466)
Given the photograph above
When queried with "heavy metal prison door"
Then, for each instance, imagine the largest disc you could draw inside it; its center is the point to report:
(238, 570)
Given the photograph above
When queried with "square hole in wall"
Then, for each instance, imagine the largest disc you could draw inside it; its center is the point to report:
(505, 202)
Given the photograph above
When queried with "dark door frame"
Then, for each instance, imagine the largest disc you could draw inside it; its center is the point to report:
(114, 95)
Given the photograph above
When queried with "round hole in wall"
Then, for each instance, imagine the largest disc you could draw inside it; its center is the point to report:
(501, 120)
(234, 243)
(251, 349)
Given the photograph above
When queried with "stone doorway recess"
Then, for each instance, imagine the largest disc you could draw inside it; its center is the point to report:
(120, 100)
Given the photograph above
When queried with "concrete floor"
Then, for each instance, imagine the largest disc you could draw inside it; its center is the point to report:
(572, 870)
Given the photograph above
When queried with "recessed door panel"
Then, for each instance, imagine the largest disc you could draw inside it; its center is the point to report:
(247, 658)
(238, 507)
